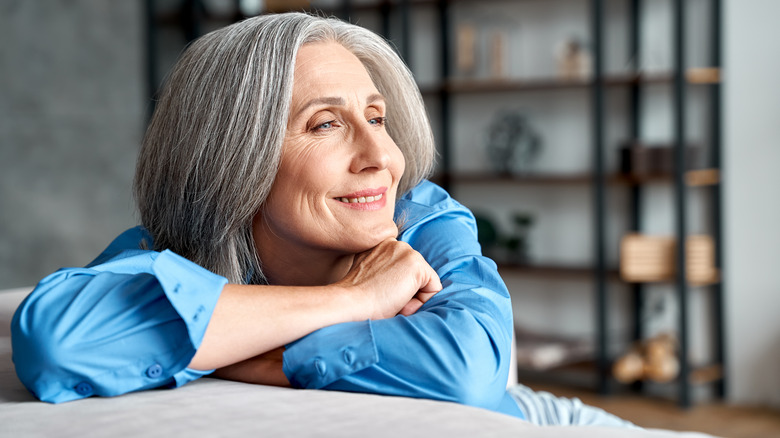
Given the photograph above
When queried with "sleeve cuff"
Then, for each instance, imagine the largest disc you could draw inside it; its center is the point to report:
(191, 289)
(351, 348)
(187, 375)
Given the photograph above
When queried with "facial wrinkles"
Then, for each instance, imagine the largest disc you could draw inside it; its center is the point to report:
(320, 205)
(352, 127)
(309, 151)
(314, 199)
(311, 202)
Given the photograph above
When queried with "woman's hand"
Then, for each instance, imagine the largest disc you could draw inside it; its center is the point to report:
(392, 278)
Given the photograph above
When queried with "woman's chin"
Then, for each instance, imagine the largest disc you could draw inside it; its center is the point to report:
(374, 239)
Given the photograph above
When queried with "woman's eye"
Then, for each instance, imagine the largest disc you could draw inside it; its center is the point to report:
(378, 121)
(325, 126)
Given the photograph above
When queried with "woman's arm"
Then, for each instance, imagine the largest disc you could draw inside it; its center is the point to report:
(456, 347)
(265, 369)
(143, 319)
(129, 322)
(251, 320)
(373, 274)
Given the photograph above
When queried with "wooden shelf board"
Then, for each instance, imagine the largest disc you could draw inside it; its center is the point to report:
(702, 177)
(703, 75)
(457, 85)
(501, 85)
(706, 374)
(699, 375)
(557, 271)
(581, 374)
(715, 279)
(693, 178)
(579, 366)
(529, 178)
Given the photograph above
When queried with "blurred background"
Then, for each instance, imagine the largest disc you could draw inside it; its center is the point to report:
(559, 122)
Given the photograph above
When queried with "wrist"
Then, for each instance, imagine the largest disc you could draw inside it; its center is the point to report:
(349, 303)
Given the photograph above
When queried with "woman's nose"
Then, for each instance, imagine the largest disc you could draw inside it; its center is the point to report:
(371, 150)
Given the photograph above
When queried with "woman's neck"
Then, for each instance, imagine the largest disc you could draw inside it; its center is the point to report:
(292, 269)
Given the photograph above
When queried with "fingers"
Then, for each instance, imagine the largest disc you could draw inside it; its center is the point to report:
(425, 296)
(392, 278)
(416, 303)
(434, 283)
(431, 288)
(411, 307)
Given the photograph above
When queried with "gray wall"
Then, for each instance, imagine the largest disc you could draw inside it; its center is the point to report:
(751, 183)
(72, 111)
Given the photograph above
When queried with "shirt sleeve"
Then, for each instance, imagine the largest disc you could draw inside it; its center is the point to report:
(455, 348)
(128, 324)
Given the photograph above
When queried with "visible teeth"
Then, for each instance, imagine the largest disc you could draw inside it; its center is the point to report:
(361, 200)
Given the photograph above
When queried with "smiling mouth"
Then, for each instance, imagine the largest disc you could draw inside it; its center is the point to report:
(361, 199)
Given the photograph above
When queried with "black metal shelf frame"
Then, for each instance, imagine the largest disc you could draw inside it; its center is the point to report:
(682, 288)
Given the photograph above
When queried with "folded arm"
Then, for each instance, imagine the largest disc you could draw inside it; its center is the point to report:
(120, 326)
(455, 348)
(144, 319)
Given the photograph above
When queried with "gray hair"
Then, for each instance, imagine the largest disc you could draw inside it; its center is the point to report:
(213, 147)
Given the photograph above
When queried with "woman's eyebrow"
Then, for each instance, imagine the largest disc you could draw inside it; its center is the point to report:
(335, 101)
(376, 97)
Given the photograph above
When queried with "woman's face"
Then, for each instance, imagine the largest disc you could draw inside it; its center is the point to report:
(335, 190)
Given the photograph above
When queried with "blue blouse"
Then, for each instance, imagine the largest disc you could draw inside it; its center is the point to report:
(133, 319)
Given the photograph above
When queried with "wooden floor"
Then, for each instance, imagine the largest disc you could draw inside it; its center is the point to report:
(717, 418)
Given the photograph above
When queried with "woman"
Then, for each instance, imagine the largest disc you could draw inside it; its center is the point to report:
(283, 155)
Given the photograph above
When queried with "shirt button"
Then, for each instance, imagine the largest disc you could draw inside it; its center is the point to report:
(154, 371)
(321, 367)
(83, 389)
(349, 356)
(196, 316)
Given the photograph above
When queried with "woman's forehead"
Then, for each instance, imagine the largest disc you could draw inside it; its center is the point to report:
(326, 72)
(321, 59)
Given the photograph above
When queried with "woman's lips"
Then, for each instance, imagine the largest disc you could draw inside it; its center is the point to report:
(361, 199)
(369, 199)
